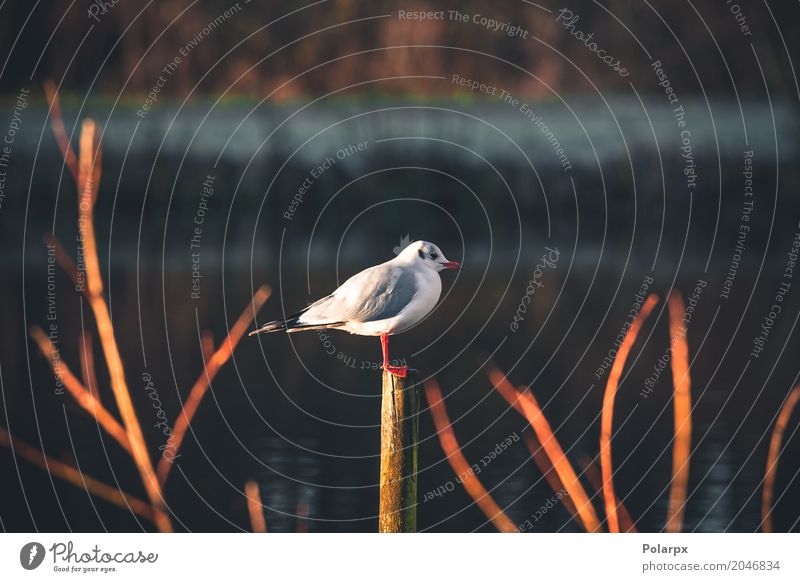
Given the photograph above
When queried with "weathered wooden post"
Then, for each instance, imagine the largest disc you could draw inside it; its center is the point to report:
(399, 435)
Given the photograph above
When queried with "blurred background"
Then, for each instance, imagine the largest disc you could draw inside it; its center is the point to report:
(327, 135)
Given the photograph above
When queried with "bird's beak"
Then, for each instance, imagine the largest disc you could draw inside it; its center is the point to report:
(452, 265)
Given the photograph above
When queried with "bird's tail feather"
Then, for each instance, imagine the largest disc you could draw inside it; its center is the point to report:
(290, 324)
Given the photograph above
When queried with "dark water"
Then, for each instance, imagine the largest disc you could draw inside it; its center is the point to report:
(299, 413)
(301, 418)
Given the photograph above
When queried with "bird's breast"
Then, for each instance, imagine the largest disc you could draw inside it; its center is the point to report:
(428, 293)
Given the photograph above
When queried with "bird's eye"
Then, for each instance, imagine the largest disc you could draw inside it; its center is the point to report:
(434, 256)
(421, 254)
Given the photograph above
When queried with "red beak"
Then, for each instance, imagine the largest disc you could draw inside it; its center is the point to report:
(451, 265)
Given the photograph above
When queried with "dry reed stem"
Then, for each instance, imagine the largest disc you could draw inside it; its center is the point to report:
(57, 123)
(86, 354)
(772, 458)
(87, 173)
(682, 402)
(255, 507)
(607, 420)
(76, 477)
(83, 396)
(626, 523)
(526, 404)
(459, 463)
(87, 189)
(550, 475)
(88, 182)
(211, 367)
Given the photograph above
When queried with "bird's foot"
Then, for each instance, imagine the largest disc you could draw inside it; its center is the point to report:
(399, 371)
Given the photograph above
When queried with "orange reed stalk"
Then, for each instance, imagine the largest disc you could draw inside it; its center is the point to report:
(76, 477)
(607, 420)
(682, 401)
(526, 403)
(546, 468)
(626, 523)
(86, 355)
(772, 458)
(57, 123)
(459, 463)
(211, 367)
(255, 507)
(84, 397)
(88, 182)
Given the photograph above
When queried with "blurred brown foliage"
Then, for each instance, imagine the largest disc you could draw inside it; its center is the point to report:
(266, 45)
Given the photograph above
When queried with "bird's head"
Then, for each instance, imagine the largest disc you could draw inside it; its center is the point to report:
(429, 255)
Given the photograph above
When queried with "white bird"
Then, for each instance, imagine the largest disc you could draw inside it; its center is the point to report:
(383, 300)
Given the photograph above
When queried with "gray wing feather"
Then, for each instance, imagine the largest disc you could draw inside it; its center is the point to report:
(376, 293)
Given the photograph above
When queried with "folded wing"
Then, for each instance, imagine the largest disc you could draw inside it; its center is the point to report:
(374, 294)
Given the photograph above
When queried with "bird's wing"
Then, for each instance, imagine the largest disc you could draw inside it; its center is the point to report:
(374, 294)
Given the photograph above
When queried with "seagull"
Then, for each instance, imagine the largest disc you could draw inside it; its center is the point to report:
(382, 300)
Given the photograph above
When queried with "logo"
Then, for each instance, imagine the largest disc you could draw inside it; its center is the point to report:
(404, 242)
(31, 555)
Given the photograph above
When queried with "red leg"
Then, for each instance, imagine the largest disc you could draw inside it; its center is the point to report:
(385, 348)
(399, 371)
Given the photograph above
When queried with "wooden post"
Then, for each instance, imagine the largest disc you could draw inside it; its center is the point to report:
(399, 436)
